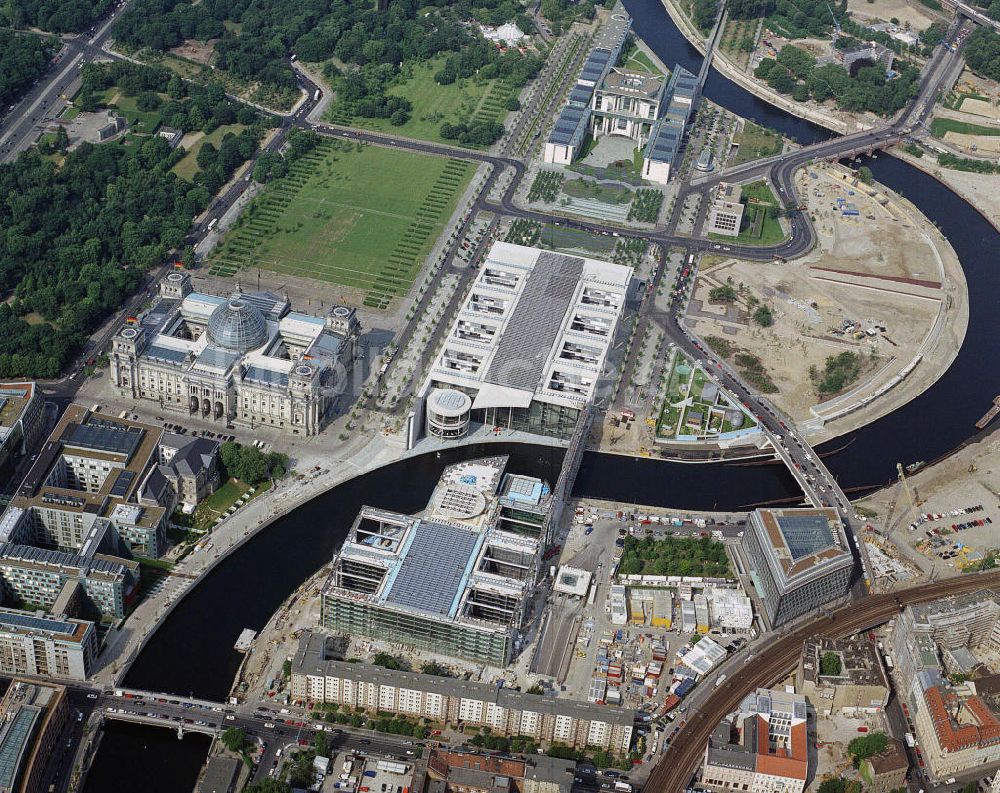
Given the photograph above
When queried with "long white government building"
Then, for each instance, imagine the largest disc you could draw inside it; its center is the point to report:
(528, 347)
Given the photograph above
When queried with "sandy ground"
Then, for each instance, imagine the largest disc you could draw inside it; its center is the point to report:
(905, 11)
(979, 107)
(968, 478)
(197, 51)
(895, 270)
(980, 143)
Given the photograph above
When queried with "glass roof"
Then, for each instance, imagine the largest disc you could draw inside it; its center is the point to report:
(237, 325)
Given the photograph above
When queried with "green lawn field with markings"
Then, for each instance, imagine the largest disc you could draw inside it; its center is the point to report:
(360, 216)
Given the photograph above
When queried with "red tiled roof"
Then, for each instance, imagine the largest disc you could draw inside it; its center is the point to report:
(791, 762)
(953, 737)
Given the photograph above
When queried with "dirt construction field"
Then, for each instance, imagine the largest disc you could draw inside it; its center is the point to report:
(918, 16)
(884, 267)
(197, 51)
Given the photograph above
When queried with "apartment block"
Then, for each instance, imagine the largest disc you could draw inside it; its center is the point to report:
(318, 678)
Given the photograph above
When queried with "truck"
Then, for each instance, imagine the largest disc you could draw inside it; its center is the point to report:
(214, 222)
(722, 679)
(317, 95)
(909, 740)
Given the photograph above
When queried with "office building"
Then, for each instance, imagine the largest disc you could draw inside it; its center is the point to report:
(189, 465)
(247, 359)
(855, 684)
(958, 727)
(574, 120)
(46, 646)
(452, 582)
(89, 467)
(37, 577)
(771, 754)
(32, 719)
(886, 771)
(667, 136)
(957, 723)
(725, 214)
(529, 344)
(523, 505)
(318, 678)
(868, 54)
(799, 560)
(107, 484)
(22, 421)
(463, 772)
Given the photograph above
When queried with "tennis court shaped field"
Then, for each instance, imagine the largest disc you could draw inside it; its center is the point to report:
(360, 216)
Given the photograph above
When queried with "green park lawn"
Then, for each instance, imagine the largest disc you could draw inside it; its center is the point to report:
(755, 142)
(188, 167)
(939, 126)
(138, 120)
(639, 61)
(363, 217)
(433, 104)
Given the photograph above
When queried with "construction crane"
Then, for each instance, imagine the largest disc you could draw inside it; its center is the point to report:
(836, 24)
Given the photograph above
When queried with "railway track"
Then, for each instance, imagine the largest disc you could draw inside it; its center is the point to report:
(675, 768)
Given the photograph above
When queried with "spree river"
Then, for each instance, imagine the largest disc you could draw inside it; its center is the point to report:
(193, 652)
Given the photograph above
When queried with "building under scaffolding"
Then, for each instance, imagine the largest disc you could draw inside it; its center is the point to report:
(451, 581)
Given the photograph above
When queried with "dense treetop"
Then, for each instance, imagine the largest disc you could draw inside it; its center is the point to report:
(23, 58)
(58, 16)
(315, 30)
(76, 239)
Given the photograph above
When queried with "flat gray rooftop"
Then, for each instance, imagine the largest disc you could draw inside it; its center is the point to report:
(534, 325)
(431, 573)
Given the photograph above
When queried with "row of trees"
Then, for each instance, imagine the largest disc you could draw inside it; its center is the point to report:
(273, 165)
(795, 72)
(473, 133)
(58, 16)
(23, 59)
(838, 372)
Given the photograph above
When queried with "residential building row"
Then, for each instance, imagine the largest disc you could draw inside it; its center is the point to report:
(42, 645)
(316, 677)
(98, 474)
(942, 653)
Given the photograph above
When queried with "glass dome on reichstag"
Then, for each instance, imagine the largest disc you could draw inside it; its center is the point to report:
(237, 325)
